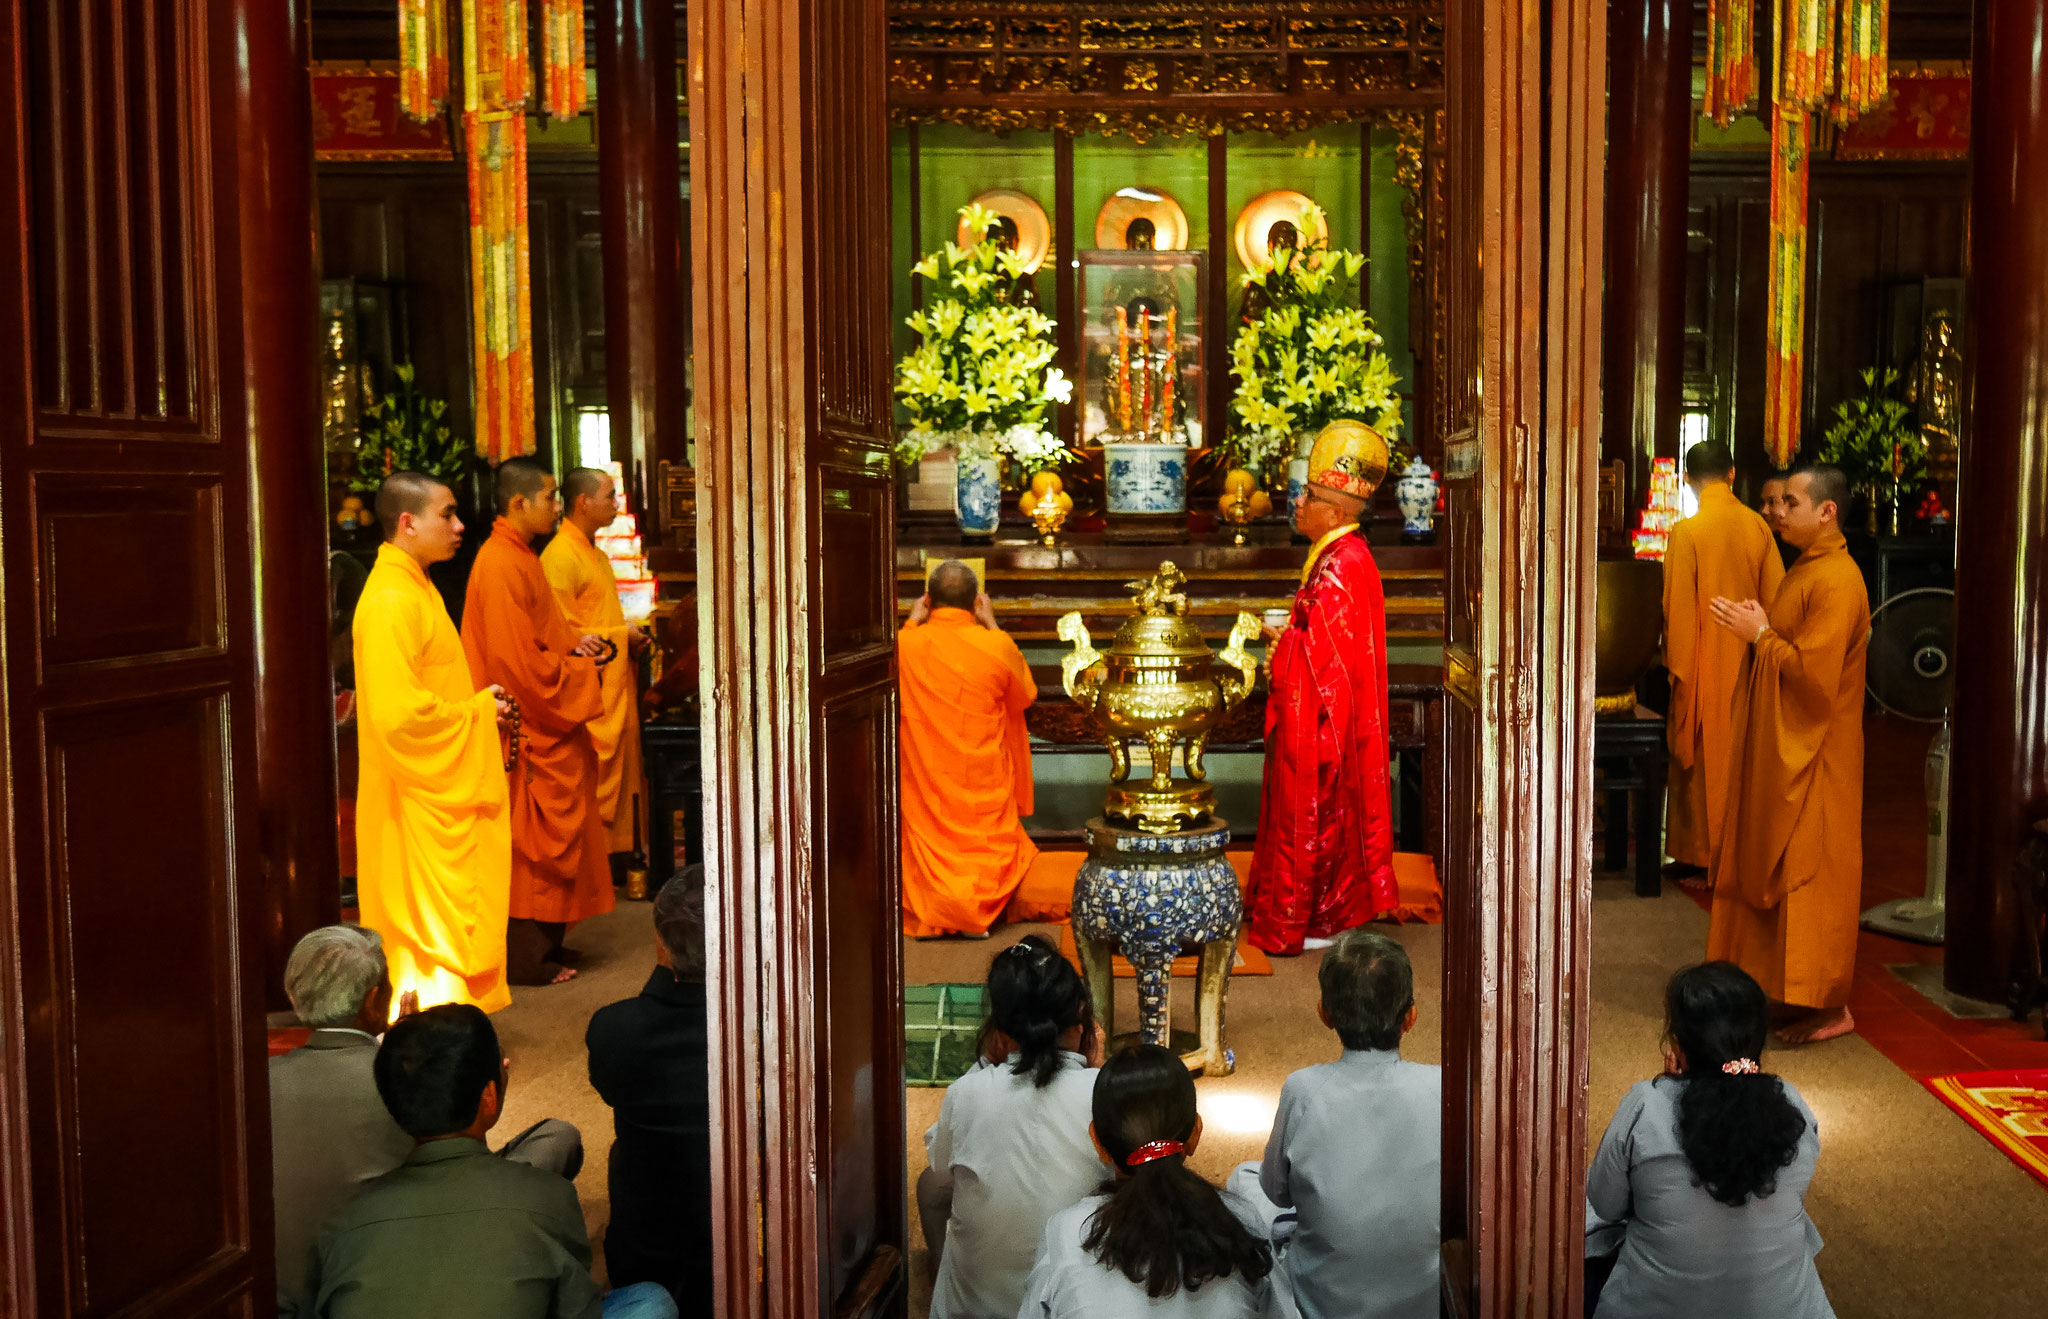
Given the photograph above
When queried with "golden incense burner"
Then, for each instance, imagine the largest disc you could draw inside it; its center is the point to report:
(1157, 683)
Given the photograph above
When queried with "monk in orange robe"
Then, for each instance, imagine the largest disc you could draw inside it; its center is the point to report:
(965, 760)
(516, 637)
(1724, 550)
(1788, 866)
(433, 843)
(589, 596)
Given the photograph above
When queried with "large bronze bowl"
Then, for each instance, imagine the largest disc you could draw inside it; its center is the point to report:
(1157, 676)
(1630, 608)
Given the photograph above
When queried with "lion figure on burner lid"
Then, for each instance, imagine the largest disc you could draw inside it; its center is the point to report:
(1158, 683)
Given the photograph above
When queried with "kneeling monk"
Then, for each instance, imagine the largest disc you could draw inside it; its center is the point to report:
(1325, 857)
(516, 637)
(966, 760)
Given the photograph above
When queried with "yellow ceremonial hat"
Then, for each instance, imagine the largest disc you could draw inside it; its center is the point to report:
(1350, 458)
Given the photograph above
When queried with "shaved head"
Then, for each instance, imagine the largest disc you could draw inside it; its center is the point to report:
(1708, 460)
(952, 586)
(1825, 484)
(519, 476)
(580, 481)
(404, 492)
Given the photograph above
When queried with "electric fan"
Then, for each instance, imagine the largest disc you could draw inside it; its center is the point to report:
(1908, 674)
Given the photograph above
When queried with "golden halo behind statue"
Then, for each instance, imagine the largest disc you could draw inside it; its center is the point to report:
(1256, 221)
(1034, 231)
(1127, 205)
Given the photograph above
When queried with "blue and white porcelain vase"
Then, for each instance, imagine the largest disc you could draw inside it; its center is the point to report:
(1297, 469)
(1416, 492)
(1145, 479)
(978, 494)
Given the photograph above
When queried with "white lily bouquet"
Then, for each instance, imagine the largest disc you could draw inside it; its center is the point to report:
(1310, 358)
(981, 378)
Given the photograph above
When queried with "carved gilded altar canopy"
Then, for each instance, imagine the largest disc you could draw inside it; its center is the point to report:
(1161, 66)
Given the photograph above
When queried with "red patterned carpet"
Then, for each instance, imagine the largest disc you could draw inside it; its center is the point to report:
(2009, 1109)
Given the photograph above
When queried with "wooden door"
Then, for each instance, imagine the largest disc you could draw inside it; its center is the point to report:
(165, 732)
(797, 620)
(1521, 407)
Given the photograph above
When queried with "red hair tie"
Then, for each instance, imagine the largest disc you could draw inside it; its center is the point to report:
(1158, 1149)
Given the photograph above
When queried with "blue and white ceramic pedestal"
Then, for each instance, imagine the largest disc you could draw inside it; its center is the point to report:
(1149, 896)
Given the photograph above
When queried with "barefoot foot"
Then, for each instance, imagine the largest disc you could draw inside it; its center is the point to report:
(1827, 1024)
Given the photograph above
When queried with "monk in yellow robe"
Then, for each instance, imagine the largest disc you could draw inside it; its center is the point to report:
(1788, 866)
(433, 838)
(1723, 550)
(589, 597)
(516, 637)
(965, 760)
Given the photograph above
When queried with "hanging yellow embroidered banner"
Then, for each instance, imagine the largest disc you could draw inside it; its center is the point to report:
(422, 58)
(563, 93)
(1785, 324)
(1731, 59)
(1831, 58)
(500, 285)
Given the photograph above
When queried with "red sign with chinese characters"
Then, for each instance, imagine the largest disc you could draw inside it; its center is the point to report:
(356, 117)
(1926, 117)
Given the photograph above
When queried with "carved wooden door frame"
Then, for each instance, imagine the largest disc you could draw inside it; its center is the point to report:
(796, 550)
(1524, 176)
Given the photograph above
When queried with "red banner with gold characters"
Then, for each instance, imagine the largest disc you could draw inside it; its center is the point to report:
(1927, 118)
(356, 116)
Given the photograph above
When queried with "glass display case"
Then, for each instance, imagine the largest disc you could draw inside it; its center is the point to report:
(1140, 374)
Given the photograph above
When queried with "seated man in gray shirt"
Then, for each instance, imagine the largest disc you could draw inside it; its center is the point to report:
(456, 1231)
(329, 1130)
(1357, 1149)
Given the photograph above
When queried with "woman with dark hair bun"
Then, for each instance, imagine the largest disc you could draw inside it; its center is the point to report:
(1011, 1145)
(1159, 1241)
(1696, 1199)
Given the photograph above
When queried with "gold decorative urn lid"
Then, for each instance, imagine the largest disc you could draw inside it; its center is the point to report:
(1158, 684)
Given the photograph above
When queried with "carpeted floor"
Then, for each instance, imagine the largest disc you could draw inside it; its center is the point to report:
(1922, 1217)
(542, 1035)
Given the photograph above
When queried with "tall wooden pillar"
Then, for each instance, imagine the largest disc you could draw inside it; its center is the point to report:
(1649, 137)
(796, 610)
(1999, 759)
(639, 185)
(279, 393)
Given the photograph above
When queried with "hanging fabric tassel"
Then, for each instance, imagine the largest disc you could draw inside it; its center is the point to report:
(495, 71)
(562, 94)
(1785, 329)
(422, 58)
(1731, 60)
(1832, 59)
(500, 283)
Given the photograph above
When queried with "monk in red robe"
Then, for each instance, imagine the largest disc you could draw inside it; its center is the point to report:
(1325, 856)
(513, 631)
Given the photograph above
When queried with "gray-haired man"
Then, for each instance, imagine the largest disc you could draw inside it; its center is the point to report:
(329, 1129)
(1357, 1149)
(329, 1132)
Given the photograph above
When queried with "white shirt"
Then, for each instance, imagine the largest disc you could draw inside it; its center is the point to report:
(1013, 1155)
(1357, 1153)
(1069, 1282)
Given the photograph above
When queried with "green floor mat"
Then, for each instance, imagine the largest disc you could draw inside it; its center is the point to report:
(940, 1024)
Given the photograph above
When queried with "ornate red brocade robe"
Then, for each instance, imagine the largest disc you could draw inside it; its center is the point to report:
(1325, 858)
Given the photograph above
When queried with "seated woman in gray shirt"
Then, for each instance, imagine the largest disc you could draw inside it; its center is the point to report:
(1158, 1242)
(1701, 1178)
